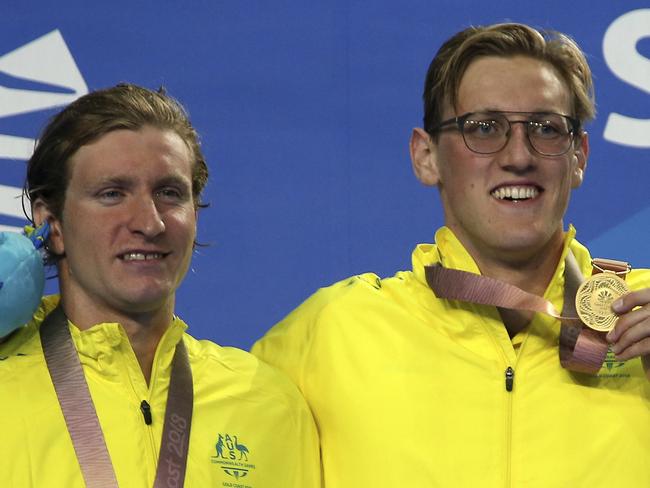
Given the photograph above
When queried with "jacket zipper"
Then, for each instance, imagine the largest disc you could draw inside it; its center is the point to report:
(510, 378)
(143, 395)
(509, 385)
(145, 408)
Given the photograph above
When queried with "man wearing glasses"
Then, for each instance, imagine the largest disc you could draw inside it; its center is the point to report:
(476, 368)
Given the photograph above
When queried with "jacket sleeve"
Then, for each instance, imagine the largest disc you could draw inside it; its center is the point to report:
(287, 344)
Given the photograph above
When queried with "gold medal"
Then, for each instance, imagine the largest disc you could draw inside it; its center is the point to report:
(595, 297)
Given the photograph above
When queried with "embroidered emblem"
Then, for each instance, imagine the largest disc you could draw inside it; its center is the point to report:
(610, 366)
(232, 455)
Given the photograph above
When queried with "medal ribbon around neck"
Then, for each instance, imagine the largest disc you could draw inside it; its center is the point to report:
(582, 349)
(81, 418)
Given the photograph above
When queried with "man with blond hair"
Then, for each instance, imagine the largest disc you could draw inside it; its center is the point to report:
(473, 369)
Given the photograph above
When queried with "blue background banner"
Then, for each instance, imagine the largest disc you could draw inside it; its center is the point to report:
(305, 110)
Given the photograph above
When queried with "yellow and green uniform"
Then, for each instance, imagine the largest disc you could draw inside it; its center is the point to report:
(410, 390)
(250, 426)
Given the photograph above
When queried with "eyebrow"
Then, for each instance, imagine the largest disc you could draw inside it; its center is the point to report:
(537, 111)
(173, 180)
(128, 182)
(118, 181)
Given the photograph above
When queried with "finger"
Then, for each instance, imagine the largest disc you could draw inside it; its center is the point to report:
(640, 348)
(627, 321)
(630, 300)
(636, 333)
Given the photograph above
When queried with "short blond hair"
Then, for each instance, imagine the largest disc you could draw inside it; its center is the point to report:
(456, 54)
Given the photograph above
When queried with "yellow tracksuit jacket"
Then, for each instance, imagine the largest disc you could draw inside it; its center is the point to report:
(250, 426)
(408, 390)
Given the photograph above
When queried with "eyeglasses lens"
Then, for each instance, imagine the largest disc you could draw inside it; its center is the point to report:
(548, 134)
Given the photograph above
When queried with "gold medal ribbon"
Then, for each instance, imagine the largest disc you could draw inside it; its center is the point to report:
(81, 417)
(581, 349)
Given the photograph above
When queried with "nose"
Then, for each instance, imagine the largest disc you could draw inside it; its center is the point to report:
(145, 217)
(517, 155)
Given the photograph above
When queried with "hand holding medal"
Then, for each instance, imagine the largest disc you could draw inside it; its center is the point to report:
(595, 296)
(631, 336)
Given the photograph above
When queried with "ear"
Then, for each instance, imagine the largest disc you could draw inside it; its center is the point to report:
(422, 149)
(196, 225)
(580, 155)
(41, 213)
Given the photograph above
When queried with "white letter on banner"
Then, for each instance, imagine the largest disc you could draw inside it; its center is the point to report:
(622, 57)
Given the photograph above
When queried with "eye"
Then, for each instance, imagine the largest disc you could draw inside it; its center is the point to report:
(548, 128)
(483, 127)
(110, 195)
(169, 193)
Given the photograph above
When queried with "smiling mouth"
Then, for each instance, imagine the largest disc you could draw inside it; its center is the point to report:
(142, 256)
(515, 193)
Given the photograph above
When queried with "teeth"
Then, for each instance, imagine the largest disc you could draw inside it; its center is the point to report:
(515, 193)
(138, 256)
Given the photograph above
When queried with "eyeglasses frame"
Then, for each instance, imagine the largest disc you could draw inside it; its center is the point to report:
(460, 120)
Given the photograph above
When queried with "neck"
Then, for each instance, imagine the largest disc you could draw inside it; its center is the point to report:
(532, 275)
(144, 341)
(531, 272)
(144, 328)
(529, 269)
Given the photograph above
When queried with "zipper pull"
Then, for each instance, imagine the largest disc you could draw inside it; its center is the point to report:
(146, 412)
(510, 378)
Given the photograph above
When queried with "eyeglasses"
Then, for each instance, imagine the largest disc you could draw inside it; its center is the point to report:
(549, 134)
